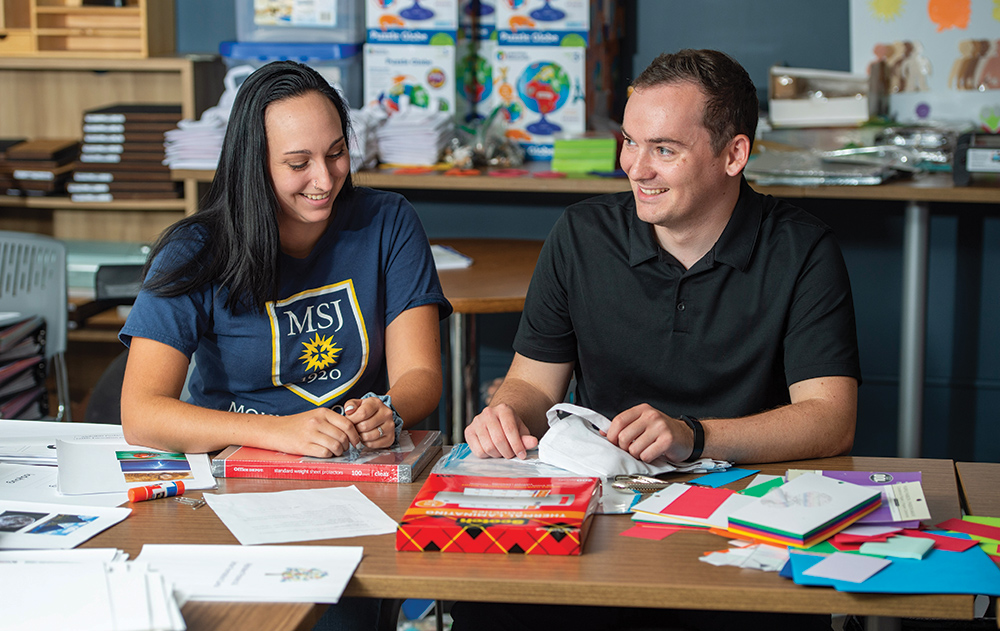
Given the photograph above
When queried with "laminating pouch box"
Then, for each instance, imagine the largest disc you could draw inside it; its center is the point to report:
(543, 22)
(422, 76)
(457, 513)
(424, 22)
(541, 91)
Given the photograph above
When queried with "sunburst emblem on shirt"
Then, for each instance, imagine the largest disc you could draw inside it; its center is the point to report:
(319, 353)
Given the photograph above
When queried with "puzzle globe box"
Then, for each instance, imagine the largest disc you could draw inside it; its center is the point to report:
(423, 22)
(542, 91)
(543, 22)
(422, 76)
(457, 513)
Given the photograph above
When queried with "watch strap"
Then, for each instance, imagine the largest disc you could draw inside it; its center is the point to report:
(699, 437)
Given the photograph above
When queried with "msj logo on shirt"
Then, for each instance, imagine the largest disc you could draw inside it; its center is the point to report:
(319, 345)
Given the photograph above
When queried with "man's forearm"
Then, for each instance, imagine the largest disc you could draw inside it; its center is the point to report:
(808, 428)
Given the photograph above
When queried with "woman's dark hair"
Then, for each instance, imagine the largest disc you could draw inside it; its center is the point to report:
(731, 106)
(239, 215)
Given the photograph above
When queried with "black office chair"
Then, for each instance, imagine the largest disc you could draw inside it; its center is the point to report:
(105, 405)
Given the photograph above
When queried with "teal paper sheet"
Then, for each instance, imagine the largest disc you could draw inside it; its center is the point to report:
(940, 572)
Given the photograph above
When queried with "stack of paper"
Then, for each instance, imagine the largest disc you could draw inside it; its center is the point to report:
(415, 136)
(446, 257)
(194, 144)
(804, 511)
(687, 505)
(903, 502)
(79, 593)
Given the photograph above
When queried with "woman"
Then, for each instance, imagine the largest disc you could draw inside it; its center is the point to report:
(300, 296)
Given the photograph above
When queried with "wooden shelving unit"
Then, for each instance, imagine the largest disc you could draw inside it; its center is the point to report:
(57, 28)
(43, 97)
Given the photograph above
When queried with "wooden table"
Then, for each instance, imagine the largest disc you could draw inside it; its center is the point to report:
(613, 570)
(496, 282)
(980, 486)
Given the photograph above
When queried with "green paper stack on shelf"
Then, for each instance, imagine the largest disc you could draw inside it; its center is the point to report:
(584, 153)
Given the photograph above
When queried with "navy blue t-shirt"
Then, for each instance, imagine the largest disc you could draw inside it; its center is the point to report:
(323, 341)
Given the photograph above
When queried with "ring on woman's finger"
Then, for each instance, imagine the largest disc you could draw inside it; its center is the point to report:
(380, 432)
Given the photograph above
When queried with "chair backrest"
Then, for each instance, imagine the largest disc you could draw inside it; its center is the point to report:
(33, 281)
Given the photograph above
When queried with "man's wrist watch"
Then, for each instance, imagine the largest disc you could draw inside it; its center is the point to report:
(699, 437)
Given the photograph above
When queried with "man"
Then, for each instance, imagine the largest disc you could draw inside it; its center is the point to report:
(702, 317)
(692, 296)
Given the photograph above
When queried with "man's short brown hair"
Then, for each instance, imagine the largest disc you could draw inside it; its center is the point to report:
(731, 106)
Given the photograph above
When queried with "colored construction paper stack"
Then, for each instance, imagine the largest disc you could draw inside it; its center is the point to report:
(804, 511)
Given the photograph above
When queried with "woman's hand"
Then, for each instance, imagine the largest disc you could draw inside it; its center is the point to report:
(373, 421)
(319, 433)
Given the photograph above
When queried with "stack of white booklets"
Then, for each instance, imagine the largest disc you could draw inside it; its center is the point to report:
(415, 136)
(84, 589)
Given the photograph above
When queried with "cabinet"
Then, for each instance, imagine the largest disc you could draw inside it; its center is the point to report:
(57, 28)
(46, 98)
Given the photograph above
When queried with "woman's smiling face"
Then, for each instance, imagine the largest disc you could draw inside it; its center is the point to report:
(307, 158)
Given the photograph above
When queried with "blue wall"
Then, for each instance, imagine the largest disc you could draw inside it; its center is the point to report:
(962, 395)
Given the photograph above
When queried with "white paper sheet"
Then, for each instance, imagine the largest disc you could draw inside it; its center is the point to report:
(87, 596)
(303, 515)
(42, 526)
(83, 555)
(30, 483)
(93, 466)
(262, 573)
(43, 596)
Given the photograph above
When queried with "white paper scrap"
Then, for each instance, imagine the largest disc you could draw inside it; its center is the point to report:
(302, 515)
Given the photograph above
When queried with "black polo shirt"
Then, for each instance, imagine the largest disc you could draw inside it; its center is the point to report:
(769, 305)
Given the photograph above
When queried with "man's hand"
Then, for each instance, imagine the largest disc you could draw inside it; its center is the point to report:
(498, 432)
(369, 417)
(647, 434)
(319, 433)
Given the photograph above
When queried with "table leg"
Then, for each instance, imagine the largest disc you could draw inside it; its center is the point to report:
(881, 623)
(462, 373)
(914, 329)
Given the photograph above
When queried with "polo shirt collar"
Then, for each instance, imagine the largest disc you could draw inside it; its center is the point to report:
(734, 247)
(642, 245)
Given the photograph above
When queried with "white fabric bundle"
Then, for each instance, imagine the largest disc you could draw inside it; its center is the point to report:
(574, 442)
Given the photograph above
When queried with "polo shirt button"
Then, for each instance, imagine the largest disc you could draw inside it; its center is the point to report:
(680, 306)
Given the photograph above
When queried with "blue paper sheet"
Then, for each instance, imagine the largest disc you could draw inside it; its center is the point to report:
(721, 478)
(940, 572)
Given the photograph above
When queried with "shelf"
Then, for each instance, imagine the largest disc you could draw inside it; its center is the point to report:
(63, 28)
(64, 203)
(929, 187)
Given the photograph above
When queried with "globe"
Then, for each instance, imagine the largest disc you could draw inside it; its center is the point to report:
(384, 4)
(476, 79)
(544, 87)
(515, 4)
(416, 94)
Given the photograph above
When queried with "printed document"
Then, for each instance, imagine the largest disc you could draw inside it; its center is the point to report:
(302, 515)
